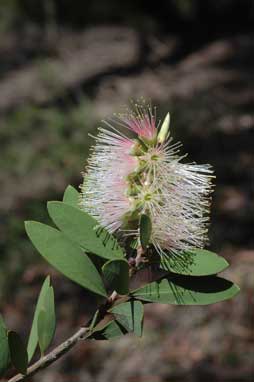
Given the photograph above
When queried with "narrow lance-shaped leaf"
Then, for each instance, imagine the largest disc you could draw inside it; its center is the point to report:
(84, 230)
(111, 330)
(18, 352)
(33, 337)
(184, 290)
(47, 321)
(71, 196)
(130, 314)
(138, 317)
(116, 275)
(4, 346)
(65, 256)
(197, 262)
(145, 230)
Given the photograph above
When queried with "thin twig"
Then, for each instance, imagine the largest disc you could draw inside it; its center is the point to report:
(54, 355)
(64, 347)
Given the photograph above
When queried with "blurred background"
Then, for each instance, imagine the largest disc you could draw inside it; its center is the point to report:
(65, 65)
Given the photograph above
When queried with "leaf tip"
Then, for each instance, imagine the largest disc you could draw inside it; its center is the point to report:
(28, 224)
(237, 289)
(69, 188)
(224, 263)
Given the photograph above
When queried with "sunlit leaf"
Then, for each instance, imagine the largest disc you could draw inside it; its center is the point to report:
(197, 262)
(116, 275)
(4, 346)
(145, 230)
(18, 352)
(65, 256)
(33, 337)
(84, 230)
(47, 321)
(71, 196)
(184, 290)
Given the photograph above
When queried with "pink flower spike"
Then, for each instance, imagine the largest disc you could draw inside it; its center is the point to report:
(126, 178)
(144, 127)
(141, 120)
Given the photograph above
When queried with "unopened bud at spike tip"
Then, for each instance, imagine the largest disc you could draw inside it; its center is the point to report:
(164, 130)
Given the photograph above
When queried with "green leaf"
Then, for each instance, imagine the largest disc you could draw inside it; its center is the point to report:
(47, 321)
(130, 315)
(18, 352)
(33, 337)
(65, 256)
(71, 196)
(116, 275)
(84, 230)
(145, 230)
(198, 262)
(113, 330)
(110, 331)
(4, 346)
(184, 290)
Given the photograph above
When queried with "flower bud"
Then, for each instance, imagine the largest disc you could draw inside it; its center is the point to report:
(164, 130)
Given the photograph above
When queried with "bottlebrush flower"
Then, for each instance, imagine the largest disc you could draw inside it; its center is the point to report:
(130, 176)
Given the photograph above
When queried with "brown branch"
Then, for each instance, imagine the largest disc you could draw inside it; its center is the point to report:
(67, 345)
(54, 355)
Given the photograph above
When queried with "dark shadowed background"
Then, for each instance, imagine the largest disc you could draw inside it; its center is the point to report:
(65, 65)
